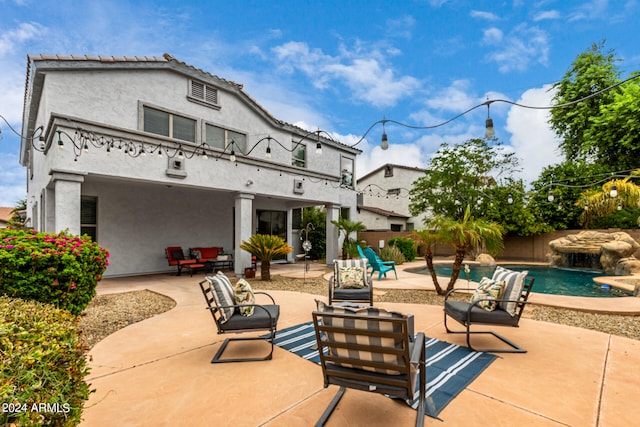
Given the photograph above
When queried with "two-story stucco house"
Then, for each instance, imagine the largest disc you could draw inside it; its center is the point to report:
(143, 153)
(384, 200)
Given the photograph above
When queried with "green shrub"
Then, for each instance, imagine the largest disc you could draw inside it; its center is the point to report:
(43, 365)
(392, 253)
(406, 245)
(58, 269)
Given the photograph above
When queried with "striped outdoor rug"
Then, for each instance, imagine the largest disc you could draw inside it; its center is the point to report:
(450, 368)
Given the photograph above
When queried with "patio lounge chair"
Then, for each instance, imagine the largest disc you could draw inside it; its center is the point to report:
(382, 267)
(350, 282)
(370, 350)
(175, 256)
(507, 312)
(218, 293)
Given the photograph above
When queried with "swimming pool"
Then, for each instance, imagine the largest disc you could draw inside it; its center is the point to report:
(549, 280)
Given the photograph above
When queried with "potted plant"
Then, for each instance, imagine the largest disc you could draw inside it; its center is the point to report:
(265, 247)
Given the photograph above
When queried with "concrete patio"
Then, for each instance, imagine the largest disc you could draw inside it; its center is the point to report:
(158, 372)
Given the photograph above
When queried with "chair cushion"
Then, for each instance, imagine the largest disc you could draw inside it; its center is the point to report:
(458, 310)
(351, 277)
(487, 292)
(259, 320)
(223, 295)
(369, 324)
(514, 283)
(244, 295)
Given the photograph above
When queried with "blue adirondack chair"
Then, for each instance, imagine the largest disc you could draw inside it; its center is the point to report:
(382, 267)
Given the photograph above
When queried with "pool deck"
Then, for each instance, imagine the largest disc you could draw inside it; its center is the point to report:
(158, 372)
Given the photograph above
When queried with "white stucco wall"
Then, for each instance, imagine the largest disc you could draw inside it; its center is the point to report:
(376, 195)
(142, 208)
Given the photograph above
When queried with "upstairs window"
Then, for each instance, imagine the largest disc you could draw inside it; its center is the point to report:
(170, 125)
(204, 93)
(299, 156)
(218, 137)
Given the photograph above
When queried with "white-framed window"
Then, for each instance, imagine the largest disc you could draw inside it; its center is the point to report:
(204, 93)
(168, 124)
(219, 137)
(299, 156)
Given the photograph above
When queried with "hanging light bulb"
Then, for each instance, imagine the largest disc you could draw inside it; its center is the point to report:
(550, 196)
(60, 143)
(489, 131)
(268, 153)
(385, 140)
(180, 155)
(614, 191)
(159, 150)
(318, 145)
(509, 199)
(232, 156)
(204, 155)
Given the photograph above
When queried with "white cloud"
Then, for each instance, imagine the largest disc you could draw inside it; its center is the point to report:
(363, 71)
(521, 48)
(591, 10)
(531, 136)
(547, 14)
(488, 16)
(492, 35)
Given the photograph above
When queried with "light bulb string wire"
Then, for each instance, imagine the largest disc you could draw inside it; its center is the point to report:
(488, 104)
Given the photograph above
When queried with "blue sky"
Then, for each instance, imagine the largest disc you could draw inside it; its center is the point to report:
(341, 65)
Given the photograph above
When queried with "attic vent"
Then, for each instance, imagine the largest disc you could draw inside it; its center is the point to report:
(202, 92)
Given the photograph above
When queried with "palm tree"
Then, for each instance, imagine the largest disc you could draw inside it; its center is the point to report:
(463, 235)
(614, 195)
(347, 227)
(265, 247)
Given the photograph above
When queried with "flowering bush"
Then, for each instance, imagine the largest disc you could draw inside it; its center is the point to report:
(43, 365)
(58, 269)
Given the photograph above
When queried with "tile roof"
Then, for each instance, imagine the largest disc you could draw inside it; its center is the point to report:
(383, 212)
(5, 214)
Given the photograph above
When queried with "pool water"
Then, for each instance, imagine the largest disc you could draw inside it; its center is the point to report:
(548, 280)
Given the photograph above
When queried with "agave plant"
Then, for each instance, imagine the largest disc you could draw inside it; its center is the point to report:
(265, 247)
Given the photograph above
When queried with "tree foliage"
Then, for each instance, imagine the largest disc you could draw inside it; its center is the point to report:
(565, 182)
(317, 231)
(592, 71)
(458, 176)
(614, 134)
(598, 203)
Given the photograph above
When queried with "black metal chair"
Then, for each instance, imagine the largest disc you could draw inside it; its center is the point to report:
(228, 319)
(468, 314)
(372, 353)
(341, 291)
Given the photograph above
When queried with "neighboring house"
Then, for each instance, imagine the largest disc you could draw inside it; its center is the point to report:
(5, 216)
(143, 153)
(384, 200)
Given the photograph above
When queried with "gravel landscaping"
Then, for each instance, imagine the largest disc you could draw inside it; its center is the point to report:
(108, 313)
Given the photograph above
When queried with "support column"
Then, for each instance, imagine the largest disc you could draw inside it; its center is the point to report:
(66, 211)
(243, 230)
(332, 251)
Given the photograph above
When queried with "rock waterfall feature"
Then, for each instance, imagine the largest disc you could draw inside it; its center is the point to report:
(615, 253)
